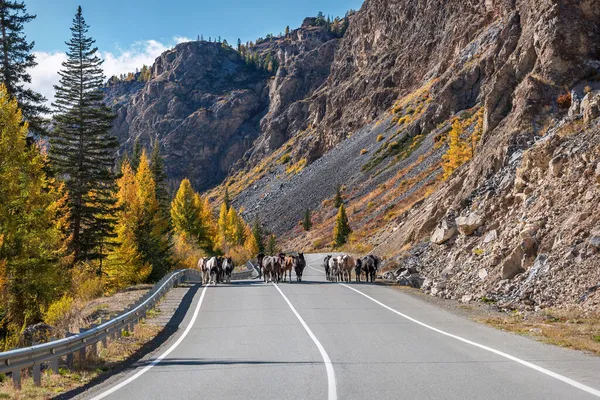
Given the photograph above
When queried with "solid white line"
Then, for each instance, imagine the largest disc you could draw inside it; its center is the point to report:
(160, 358)
(331, 388)
(554, 375)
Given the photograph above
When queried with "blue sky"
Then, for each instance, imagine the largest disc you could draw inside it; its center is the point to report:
(130, 33)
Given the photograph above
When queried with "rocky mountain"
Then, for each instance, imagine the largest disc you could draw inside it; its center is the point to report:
(206, 105)
(374, 110)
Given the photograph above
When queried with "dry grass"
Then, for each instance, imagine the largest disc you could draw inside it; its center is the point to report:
(82, 373)
(572, 328)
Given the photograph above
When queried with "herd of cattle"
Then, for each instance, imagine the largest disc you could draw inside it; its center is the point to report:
(279, 268)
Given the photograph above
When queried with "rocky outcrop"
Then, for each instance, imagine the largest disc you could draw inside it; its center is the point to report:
(203, 105)
(206, 106)
(444, 232)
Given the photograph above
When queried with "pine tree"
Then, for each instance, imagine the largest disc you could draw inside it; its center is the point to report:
(153, 234)
(16, 60)
(82, 148)
(33, 216)
(307, 221)
(258, 235)
(226, 199)
(287, 31)
(342, 229)
(136, 154)
(338, 199)
(272, 245)
(157, 166)
(239, 45)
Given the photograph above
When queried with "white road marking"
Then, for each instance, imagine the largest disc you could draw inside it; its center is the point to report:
(554, 375)
(160, 358)
(331, 387)
(318, 270)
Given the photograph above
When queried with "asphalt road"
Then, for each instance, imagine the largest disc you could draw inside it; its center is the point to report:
(319, 340)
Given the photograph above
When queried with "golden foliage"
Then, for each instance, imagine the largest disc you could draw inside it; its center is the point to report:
(460, 148)
(60, 312)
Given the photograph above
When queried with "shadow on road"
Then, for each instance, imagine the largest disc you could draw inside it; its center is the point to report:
(134, 361)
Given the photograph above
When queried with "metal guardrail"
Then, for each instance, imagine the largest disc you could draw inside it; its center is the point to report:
(250, 273)
(14, 361)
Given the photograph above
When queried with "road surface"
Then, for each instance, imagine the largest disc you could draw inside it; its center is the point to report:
(320, 340)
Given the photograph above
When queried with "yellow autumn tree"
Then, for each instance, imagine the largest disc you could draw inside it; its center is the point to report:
(459, 150)
(210, 221)
(222, 225)
(34, 261)
(125, 265)
(153, 234)
(251, 245)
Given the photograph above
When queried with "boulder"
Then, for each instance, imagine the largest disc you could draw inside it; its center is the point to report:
(490, 236)
(467, 298)
(469, 224)
(575, 108)
(512, 265)
(597, 173)
(555, 166)
(591, 107)
(444, 232)
(482, 273)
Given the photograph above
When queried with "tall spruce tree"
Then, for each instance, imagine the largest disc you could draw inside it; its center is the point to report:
(15, 61)
(82, 149)
(342, 230)
(338, 200)
(157, 166)
(136, 154)
(307, 221)
(226, 199)
(257, 232)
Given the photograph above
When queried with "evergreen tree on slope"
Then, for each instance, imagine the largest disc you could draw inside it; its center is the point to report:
(82, 148)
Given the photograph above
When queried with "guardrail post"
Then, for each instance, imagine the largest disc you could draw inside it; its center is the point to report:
(94, 346)
(54, 365)
(105, 336)
(16, 378)
(82, 350)
(70, 355)
(36, 370)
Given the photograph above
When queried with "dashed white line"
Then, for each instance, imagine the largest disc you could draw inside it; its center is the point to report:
(331, 385)
(528, 364)
(159, 358)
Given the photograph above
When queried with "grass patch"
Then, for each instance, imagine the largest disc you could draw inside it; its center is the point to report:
(400, 149)
(574, 329)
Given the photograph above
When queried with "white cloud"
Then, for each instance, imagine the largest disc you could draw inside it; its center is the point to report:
(45, 75)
